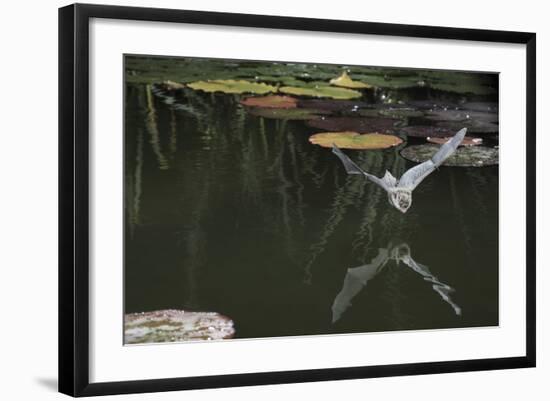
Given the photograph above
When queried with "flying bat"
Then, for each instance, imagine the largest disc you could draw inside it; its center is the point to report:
(400, 191)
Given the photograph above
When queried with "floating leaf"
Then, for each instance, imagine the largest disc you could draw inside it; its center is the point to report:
(232, 86)
(286, 114)
(463, 87)
(471, 156)
(391, 81)
(175, 325)
(488, 107)
(432, 105)
(345, 81)
(172, 86)
(339, 124)
(461, 115)
(274, 101)
(400, 112)
(467, 141)
(332, 105)
(321, 91)
(424, 131)
(474, 126)
(354, 140)
(389, 111)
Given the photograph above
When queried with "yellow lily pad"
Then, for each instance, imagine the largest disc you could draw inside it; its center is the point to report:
(354, 140)
(232, 86)
(321, 91)
(345, 81)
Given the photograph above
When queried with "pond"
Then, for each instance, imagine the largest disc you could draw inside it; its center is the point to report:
(230, 208)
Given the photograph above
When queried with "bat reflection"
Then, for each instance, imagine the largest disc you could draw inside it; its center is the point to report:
(358, 277)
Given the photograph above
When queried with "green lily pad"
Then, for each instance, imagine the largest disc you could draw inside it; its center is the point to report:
(232, 86)
(425, 131)
(467, 141)
(469, 156)
(175, 325)
(321, 91)
(273, 101)
(286, 114)
(354, 140)
(355, 124)
(391, 81)
(345, 81)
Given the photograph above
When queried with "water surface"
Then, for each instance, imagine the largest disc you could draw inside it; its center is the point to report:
(241, 215)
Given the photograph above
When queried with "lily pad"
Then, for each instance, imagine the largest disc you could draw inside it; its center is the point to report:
(461, 115)
(463, 87)
(175, 325)
(470, 156)
(332, 105)
(232, 86)
(345, 81)
(359, 124)
(474, 126)
(286, 114)
(400, 112)
(273, 101)
(425, 131)
(354, 140)
(467, 141)
(432, 105)
(488, 107)
(321, 91)
(172, 86)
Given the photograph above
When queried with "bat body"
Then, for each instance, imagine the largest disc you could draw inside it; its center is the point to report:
(400, 191)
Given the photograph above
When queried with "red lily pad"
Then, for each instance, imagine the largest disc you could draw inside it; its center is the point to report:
(275, 102)
(331, 105)
(467, 141)
(359, 124)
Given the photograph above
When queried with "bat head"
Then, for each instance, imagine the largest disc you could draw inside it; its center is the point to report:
(401, 199)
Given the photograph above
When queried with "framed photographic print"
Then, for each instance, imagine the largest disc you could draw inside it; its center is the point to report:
(250, 199)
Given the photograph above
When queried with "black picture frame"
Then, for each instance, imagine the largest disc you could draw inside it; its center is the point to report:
(74, 198)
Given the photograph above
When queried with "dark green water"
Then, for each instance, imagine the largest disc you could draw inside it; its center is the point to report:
(241, 215)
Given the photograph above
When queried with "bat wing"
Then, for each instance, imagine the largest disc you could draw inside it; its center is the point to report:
(352, 168)
(415, 175)
(356, 279)
(442, 289)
